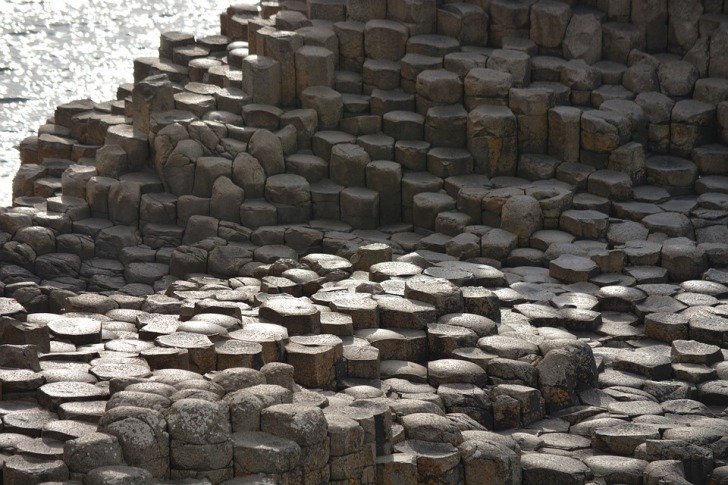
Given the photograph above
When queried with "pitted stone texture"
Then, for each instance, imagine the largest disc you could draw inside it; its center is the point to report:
(547, 468)
(28, 469)
(617, 469)
(589, 224)
(142, 435)
(317, 359)
(445, 296)
(196, 421)
(117, 474)
(433, 459)
(572, 269)
(507, 347)
(623, 439)
(200, 348)
(91, 451)
(431, 427)
(446, 371)
(492, 140)
(257, 452)
(303, 424)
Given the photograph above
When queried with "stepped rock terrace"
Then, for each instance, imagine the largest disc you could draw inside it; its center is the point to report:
(396, 242)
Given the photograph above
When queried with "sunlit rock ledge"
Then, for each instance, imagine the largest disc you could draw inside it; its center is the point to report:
(380, 242)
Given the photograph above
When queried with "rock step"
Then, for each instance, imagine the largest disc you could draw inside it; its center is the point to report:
(145, 294)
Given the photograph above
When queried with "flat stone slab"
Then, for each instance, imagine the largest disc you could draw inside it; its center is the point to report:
(635, 408)
(396, 312)
(10, 306)
(402, 369)
(617, 469)
(68, 429)
(565, 441)
(327, 263)
(547, 468)
(45, 448)
(619, 298)
(581, 301)
(79, 331)
(106, 372)
(446, 371)
(393, 269)
(572, 269)
(692, 352)
(507, 347)
(89, 411)
(28, 422)
(56, 393)
(483, 274)
(659, 303)
(20, 380)
(433, 459)
(666, 326)
(9, 441)
(128, 345)
(540, 315)
(444, 295)
(714, 392)
(265, 453)
(623, 439)
(298, 315)
(204, 328)
(183, 340)
(653, 365)
(452, 313)
(533, 292)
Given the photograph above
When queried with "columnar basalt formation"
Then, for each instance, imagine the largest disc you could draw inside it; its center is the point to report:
(402, 241)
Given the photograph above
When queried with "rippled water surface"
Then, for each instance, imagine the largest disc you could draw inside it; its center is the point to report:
(55, 51)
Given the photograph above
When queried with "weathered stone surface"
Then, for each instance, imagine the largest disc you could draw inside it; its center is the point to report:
(303, 424)
(257, 452)
(578, 149)
(445, 296)
(431, 427)
(142, 435)
(91, 451)
(297, 315)
(433, 459)
(545, 468)
(197, 421)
